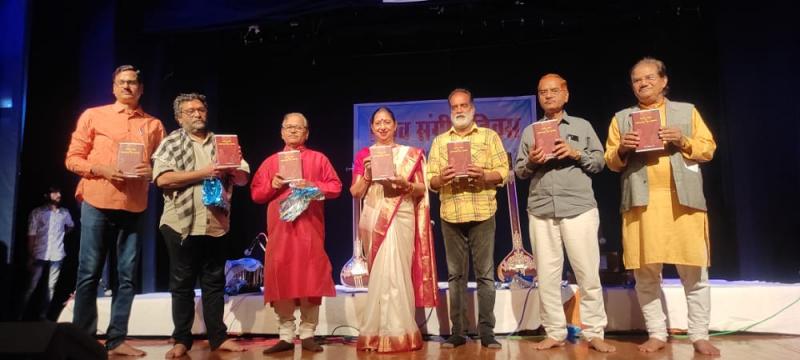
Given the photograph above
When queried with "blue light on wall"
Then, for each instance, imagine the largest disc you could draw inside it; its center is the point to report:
(13, 82)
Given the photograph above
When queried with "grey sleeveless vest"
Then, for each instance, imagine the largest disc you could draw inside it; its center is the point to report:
(688, 183)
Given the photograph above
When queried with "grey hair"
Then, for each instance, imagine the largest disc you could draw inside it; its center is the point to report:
(182, 98)
(459, 90)
(661, 69)
(300, 115)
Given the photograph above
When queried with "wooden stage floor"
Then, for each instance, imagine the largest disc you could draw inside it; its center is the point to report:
(740, 346)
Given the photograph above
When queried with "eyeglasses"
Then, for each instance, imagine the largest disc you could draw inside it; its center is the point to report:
(293, 127)
(554, 91)
(127, 82)
(188, 112)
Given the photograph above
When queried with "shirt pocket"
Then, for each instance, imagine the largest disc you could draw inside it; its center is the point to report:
(106, 143)
(480, 154)
(576, 142)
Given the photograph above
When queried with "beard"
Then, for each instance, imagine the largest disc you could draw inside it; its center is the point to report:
(461, 121)
(195, 127)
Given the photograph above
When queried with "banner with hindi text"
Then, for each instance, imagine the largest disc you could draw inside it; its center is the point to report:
(418, 122)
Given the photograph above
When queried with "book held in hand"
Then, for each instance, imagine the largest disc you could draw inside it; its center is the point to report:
(459, 156)
(647, 123)
(545, 134)
(290, 165)
(129, 156)
(382, 160)
(226, 148)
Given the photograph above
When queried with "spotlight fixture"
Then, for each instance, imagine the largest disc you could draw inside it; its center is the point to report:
(253, 35)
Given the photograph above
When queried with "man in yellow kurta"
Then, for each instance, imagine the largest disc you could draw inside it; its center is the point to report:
(664, 217)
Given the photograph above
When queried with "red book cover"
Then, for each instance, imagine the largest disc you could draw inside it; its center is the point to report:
(459, 155)
(290, 165)
(382, 160)
(129, 156)
(647, 123)
(545, 134)
(226, 149)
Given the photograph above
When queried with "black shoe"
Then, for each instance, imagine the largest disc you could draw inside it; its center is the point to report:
(454, 341)
(279, 347)
(490, 342)
(310, 344)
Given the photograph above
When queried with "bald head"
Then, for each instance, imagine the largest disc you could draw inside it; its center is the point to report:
(553, 76)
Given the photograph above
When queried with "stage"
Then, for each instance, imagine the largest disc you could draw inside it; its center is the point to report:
(737, 347)
(735, 305)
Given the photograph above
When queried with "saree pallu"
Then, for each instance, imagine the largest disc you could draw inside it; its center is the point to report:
(396, 234)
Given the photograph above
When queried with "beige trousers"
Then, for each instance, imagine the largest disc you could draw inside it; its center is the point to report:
(578, 235)
(698, 299)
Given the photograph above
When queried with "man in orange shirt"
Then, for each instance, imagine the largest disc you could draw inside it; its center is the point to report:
(112, 201)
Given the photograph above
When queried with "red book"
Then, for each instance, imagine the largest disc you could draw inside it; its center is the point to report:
(290, 165)
(545, 134)
(226, 150)
(129, 156)
(647, 123)
(459, 155)
(382, 160)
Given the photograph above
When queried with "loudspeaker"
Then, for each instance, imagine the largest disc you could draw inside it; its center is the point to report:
(47, 340)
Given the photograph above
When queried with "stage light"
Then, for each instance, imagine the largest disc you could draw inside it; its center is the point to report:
(6, 103)
(253, 35)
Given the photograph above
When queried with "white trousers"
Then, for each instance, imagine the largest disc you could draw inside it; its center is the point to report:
(309, 317)
(698, 299)
(578, 235)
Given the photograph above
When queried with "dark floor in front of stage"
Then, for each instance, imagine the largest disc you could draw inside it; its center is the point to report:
(746, 347)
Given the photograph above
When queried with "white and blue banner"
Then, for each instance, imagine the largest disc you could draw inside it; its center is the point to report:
(418, 122)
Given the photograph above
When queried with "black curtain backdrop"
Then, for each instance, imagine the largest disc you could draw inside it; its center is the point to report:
(739, 75)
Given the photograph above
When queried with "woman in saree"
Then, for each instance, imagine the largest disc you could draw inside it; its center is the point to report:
(395, 231)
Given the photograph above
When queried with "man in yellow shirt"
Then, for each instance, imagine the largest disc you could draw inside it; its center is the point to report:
(664, 217)
(467, 210)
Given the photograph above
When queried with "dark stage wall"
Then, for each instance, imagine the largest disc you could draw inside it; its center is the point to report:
(740, 77)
